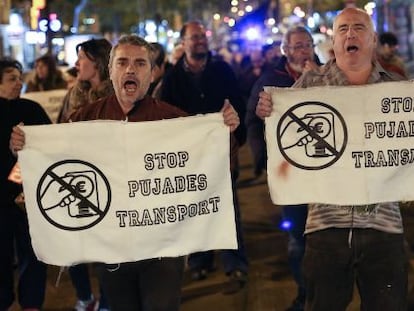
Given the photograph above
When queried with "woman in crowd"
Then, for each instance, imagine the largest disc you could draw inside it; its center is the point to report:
(92, 83)
(46, 76)
(92, 76)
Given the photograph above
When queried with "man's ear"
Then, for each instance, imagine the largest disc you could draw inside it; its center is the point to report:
(375, 39)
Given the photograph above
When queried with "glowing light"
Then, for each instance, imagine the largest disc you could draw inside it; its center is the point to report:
(89, 21)
(216, 17)
(369, 7)
(55, 25)
(43, 25)
(58, 41)
(33, 37)
(14, 19)
(286, 225)
(232, 22)
(252, 34)
(275, 30)
(298, 12)
(150, 27)
(271, 21)
(240, 13)
(234, 9)
(248, 8)
(234, 3)
(311, 22)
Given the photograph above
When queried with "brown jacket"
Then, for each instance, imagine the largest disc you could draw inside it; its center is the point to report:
(147, 109)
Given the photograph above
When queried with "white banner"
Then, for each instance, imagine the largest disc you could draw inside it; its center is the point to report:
(109, 191)
(341, 145)
(51, 101)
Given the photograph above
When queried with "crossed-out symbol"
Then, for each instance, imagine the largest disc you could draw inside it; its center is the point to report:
(73, 195)
(309, 137)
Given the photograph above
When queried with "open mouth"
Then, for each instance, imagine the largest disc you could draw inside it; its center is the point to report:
(130, 86)
(352, 49)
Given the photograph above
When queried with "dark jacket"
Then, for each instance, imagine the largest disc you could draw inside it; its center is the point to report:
(279, 77)
(204, 93)
(255, 126)
(12, 112)
(147, 109)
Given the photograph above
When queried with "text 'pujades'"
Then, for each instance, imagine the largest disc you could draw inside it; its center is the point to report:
(168, 185)
(391, 130)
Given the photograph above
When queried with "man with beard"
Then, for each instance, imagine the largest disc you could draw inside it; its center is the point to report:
(152, 284)
(298, 56)
(354, 244)
(198, 83)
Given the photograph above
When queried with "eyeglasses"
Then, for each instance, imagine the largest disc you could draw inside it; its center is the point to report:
(197, 37)
(297, 47)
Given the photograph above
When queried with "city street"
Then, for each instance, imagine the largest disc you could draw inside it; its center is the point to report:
(270, 285)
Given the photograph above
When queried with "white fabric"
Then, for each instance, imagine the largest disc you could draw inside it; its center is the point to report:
(87, 198)
(364, 153)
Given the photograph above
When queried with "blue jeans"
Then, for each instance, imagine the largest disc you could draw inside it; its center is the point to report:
(79, 275)
(375, 260)
(15, 239)
(146, 285)
(296, 215)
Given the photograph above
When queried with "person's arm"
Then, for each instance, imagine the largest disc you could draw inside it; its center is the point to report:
(29, 113)
(17, 140)
(230, 115)
(264, 106)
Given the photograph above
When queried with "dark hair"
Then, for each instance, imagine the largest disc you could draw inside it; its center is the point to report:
(97, 50)
(72, 71)
(159, 53)
(7, 63)
(184, 28)
(266, 48)
(49, 61)
(388, 38)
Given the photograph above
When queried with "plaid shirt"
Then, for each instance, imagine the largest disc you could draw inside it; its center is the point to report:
(383, 216)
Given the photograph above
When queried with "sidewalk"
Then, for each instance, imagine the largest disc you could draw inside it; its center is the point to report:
(270, 286)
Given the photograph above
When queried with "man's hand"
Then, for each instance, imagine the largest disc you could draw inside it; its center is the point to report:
(310, 65)
(230, 115)
(264, 106)
(17, 139)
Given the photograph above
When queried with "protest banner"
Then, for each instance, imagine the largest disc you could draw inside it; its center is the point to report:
(114, 191)
(341, 145)
(51, 101)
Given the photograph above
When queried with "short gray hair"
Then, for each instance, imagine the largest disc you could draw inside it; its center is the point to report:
(361, 11)
(293, 30)
(133, 39)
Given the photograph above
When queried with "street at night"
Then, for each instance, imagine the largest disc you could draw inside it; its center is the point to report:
(270, 286)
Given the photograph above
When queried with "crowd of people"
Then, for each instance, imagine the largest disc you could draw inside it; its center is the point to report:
(324, 258)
